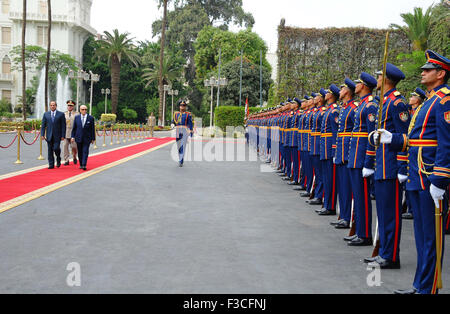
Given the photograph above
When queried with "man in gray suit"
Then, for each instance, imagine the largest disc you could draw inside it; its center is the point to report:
(70, 117)
(53, 130)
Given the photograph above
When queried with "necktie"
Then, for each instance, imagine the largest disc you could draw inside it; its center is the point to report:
(53, 116)
(84, 120)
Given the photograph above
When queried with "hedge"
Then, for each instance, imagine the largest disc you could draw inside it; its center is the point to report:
(231, 116)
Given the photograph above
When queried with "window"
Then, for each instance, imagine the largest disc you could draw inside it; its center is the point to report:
(6, 35)
(5, 6)
(43, 7)
(42, 35)
(6, 65)
(6, 95)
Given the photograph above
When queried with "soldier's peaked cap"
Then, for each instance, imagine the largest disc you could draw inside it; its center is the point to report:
(334, 89)
(323, 92)
(436, 61)
(393, 73)
(349, 83)
(367, 79)
(298, 101)
(419, 93)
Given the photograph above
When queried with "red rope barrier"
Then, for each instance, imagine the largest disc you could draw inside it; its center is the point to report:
(8, 146)
(34, 141)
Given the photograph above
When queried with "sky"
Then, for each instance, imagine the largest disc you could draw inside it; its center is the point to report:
(137, 16)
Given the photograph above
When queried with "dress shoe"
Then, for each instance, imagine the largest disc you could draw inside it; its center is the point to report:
(51, 167)
(350, 238)
(81, 167)
(317, 210)
(337, 222)
(268, 161)
(75, 161)
(368, 260)
(343, 225)
(302, 188)
(66, 163)
(408, 216)
(293, 183)
(180, 164)
(360, 242)
(406, 291)
(385, 264)
(372, 197)
(316, 201)
(58, 164)
(286, 179)
(279, 171)
(326, 212)
(305, 194)
(283, 175)
(84, 168)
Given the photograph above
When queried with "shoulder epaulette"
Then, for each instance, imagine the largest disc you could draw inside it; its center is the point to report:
(398, 101)
(445, 99)
(370, 98)
(370, 104)
(445, 90)
(397, 93)
(335, 105)
(356, 104)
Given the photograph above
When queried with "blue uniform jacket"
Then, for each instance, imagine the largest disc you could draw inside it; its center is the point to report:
(361, 153)
(315, 131)
(428, 142)
(329, 131)
(346, 123)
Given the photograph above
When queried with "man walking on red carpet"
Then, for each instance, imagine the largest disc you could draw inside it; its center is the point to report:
(83, 133)
(53, 130)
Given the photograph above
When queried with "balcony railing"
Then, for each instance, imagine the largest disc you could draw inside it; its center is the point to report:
(6, 77)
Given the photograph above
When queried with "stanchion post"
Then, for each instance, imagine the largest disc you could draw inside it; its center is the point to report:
(95, 143)
(40, 149)
(118, 136)
(111, 129)
(104, 136)
(129, 129)
(18, 162)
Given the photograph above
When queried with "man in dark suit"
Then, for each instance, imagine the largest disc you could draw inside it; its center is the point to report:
(53, 130)
(83, 133)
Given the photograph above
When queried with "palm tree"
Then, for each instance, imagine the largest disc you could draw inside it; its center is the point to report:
(171, 70)
(24, 74)
(116, 47)
(49, 45)
(418, 27)
(161, 60)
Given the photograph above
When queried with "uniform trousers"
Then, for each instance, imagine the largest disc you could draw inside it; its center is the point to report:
(182, 137)
(68, 143)
(288, 160)
(362, 208)
(425, 235)
(329, 184)
(389, 213)
(344, 192)
(318, 176)
(308, 169)
(295, 162)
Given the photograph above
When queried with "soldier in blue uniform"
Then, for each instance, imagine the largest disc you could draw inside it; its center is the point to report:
(319, 110)
(346, 121)
(293, 142)
(302, 171)
(184, 128)
(390, 172)
(416, 99)
(362, 155)
(427, 144)
(306, 147)
(329, 130)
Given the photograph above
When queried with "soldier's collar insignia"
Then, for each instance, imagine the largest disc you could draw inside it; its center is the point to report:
(447, 117)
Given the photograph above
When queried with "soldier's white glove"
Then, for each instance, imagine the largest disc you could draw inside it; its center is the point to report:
(386, 136)
(402, 178)
(367, 172)
(437, 194)
(334, 160)
(172, 125)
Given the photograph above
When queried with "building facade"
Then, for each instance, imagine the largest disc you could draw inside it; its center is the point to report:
(70, 29)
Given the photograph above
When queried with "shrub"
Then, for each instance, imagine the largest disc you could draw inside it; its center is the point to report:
(129, 114)
(108, 118)
(231, 116)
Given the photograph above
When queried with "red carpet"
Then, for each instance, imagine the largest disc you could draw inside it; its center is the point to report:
(25, 183)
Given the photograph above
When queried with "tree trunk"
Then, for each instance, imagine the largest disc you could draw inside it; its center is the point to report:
(24, 73)
(49, 44)
(115, 82)
(161, 62)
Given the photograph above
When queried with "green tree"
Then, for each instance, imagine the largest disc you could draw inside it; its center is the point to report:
(211, 39)
(250, 83)
(439, 39)
(115, 48)
(411, 65)
(418, 27)
(24, 69)
(49, 45)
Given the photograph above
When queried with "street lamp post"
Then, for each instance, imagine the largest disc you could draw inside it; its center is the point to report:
(166, 89)
(172, 93)
(221, 82)
(211, 83)
(94, 78)
(80, 74)
(106, 92)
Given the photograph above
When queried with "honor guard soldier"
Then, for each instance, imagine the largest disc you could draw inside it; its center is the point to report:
(390, 171)
(428, 147)
(319, 110)
(182, 120)
(299, 126)
(293, 141)
(362, 155)
(416, 99)
(309, 167)
(287, 140)
(346, 122)
(329, 130)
